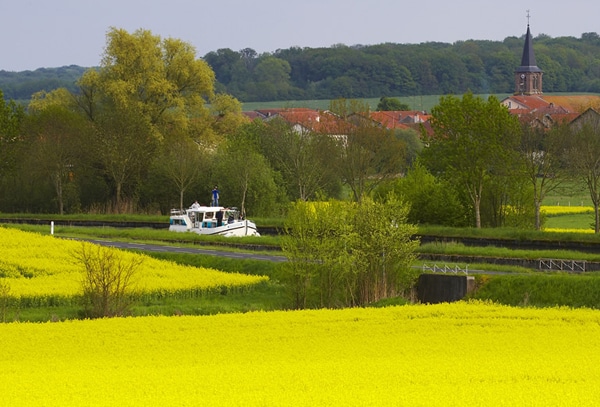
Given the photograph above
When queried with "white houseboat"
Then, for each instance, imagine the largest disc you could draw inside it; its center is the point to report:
(211, 220)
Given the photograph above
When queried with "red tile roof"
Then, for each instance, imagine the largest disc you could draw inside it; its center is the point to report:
(543, 110)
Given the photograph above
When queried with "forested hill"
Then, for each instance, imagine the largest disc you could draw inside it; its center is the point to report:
(20, 86)
(570, 65)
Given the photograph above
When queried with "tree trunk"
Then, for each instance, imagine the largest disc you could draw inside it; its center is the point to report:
(596, 217)
(118, 197)
(59, 192)
(477, 208)
(538, 219)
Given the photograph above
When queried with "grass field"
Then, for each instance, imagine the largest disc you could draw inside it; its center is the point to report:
(425, 103)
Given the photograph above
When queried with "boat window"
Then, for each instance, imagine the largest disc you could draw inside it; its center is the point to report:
(209, 215)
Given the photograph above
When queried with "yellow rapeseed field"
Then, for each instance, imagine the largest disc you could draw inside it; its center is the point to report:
(566, 210)
(460, 354)
(34, 265)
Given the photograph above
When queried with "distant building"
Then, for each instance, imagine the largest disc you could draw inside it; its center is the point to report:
(528, 102)
(528, 77)
(400, 119)
(531, 105)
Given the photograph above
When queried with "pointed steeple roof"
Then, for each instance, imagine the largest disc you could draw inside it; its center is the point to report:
(528, 63)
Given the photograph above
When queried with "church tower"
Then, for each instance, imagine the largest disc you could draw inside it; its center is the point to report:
(528, 77)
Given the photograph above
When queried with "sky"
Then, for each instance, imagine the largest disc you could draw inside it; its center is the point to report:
(54, 33)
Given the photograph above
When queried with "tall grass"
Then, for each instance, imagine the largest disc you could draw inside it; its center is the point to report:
(541, 290)
(502, 252)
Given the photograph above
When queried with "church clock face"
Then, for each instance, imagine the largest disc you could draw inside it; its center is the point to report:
(522, 76)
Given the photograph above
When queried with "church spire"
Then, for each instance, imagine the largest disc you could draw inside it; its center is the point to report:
(528, 59)
(528, 77)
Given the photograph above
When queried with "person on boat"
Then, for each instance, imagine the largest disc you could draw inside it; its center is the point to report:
(219, 216)
(195, 205)
(215, 196)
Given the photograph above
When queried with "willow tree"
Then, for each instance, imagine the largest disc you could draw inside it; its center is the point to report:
(161, 78)
(145, 89)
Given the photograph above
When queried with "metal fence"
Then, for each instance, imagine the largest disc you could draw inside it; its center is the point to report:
(445, 269)
(574, 266)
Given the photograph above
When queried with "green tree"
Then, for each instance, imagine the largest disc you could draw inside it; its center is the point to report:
(318, 240)
(541, 155)
(273, 70)
(58, 97)
(11, 120)
(471, 141)
(302, 156)
(432, 200)
(583, 156)
(124, 145)
(227, 114)
(347, 254)
(243, 174)
(391, 104)
(160, 78)
(414, 145)
(222, 62)
(182, 161)
(384, 253)
(146, 89)
(368, 153)
(11, 144)
(56, 137)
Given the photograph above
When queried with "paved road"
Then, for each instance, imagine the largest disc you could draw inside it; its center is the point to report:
(187, 250)
(249, 256)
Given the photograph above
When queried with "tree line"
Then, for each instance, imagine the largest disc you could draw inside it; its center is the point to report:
(20, 86)
(147, 132)
(368, 71)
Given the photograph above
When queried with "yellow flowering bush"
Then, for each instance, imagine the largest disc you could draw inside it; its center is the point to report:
(39, 267)
(460, 354)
